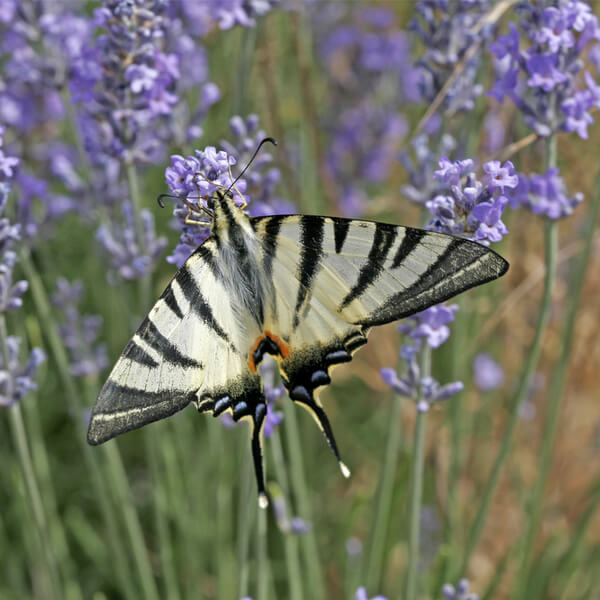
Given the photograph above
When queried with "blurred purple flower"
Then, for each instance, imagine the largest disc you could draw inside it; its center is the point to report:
(460, 592)
(262, 177)
(228, 13)
(420, 162)
(489, 375)
(17, 381)
(124, 251)
(366, 63)
(295, 525)
(79, 332)
(447, 30)
(354, 547)
(361, 594)
(539, 62)
(544, 195)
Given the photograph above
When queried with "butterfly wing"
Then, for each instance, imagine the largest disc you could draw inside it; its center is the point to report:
(335, 278)
(186, 350)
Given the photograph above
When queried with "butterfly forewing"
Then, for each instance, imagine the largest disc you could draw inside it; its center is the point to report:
(184, 351)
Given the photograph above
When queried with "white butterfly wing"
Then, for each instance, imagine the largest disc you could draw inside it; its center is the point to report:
(190, 348)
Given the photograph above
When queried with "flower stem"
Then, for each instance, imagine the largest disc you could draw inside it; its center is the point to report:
(418, 463)
(290, 540)
(308, 540)
(35, 499)
(246, 513)
(384, 501)
(263, 559)
(59, 354)
(556, 388)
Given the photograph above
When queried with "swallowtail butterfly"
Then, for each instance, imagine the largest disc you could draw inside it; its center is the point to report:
(305, 289)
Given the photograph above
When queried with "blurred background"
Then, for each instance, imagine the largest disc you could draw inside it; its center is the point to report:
(474, 453)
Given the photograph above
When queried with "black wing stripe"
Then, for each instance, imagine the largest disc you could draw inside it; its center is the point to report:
(150, 334)
(382, 242)
(411, 239)
(208, 257)
(340, 231)
(310, 260)
(170, 300)
(461, 266)
(137, 354)
(272, 228)
(198, 303)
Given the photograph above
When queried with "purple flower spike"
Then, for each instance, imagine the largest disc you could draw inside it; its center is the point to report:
(545, 195)
(537, 67)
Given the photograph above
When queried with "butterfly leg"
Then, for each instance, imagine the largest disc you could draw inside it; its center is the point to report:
(302, 396)
(257, 423)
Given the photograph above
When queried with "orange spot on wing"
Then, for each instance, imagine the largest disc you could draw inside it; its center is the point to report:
(251, 363)
(284, 349)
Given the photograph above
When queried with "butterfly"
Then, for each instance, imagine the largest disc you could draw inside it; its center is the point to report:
(303, 289)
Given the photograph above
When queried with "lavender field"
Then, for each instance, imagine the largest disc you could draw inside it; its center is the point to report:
(471, 429)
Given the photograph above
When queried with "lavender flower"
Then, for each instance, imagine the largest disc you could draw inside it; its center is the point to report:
(473, 209)
(544, 195)
(126, 257)
(460, 592)
(79, 332)
(196, 178)
(295, 525)
(272, 394)
(228, 13)
(420, 162)
(539, 66)
(424, 390)
(361, 594)
(17, 381)
(126, 81)
(489, 375)
(354, 547)
(262, 177)
(193, 180)
(448, 30)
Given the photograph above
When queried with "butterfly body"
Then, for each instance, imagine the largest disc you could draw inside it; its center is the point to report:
(304, 289)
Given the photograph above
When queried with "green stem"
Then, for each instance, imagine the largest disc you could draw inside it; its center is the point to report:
(263, 559)
(45, 477)
(411, 589)
(308, 540)
(61, 359)
(246, 512)
(531, 362)
(161, 514)
(556, 389)
(35, 499)
(384, 502)
(290, 540)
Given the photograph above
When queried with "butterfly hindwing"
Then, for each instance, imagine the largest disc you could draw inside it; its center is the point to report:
(335, 278)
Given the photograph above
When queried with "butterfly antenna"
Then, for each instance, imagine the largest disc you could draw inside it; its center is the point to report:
(263, 141)
(159, 199)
